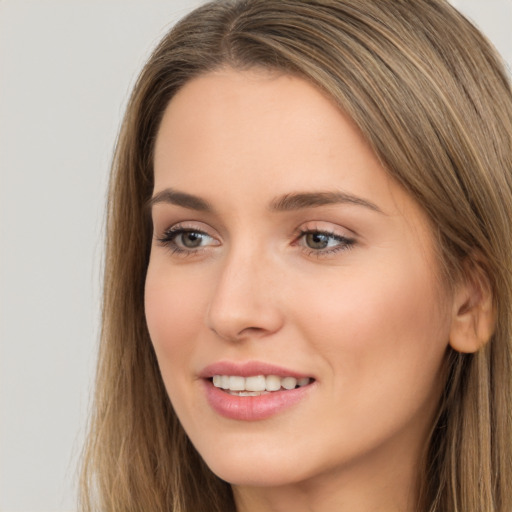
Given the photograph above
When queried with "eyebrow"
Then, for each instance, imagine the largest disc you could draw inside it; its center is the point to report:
(287, 202)
(300, 201)
(171, 196)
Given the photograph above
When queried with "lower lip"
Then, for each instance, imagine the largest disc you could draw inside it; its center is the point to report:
(253, 408)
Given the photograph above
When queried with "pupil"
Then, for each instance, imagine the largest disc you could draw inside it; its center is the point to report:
(191, 240)
(317, 240)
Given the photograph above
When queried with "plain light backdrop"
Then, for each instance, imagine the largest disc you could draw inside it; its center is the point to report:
(66, 69)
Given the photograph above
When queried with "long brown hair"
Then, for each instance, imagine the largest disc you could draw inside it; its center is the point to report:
(432, 98)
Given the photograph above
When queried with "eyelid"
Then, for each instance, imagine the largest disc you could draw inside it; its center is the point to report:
(346, 239)
(189, 225)
(168, 236)
(327, 228)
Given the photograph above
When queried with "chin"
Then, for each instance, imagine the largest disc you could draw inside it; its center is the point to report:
(255, 476)
(255, 469)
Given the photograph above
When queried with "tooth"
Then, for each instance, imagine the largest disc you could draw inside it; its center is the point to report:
(236, 383)
(273, 383)
(289, 382)
(224, 382)
(256, 383)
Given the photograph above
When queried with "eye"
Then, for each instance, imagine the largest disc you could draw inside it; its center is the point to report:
(323, 242)
(190, 239)
(186, 240)
(319, 240)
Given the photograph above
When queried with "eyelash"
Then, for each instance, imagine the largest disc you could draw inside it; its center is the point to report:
(343, 243)
(168, 239)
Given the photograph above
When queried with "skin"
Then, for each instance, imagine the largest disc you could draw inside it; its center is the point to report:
(370, 321)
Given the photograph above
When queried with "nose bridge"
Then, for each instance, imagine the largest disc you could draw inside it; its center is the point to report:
(243, 301)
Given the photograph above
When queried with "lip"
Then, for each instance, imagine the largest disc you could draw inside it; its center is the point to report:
(252, 408)
(247, 369)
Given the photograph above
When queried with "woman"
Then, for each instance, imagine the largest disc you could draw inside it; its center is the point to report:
(308, 281)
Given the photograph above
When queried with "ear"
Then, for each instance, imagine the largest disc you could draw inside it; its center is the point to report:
(473, 316)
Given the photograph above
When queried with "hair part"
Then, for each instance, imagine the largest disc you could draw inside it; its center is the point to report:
(432, 98)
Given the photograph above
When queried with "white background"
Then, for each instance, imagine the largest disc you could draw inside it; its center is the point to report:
(66, 68)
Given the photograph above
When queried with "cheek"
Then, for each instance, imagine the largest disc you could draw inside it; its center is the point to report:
(173, 314)
(384, 341)
(383, 325)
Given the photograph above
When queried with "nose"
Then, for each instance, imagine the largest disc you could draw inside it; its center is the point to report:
(245, 301)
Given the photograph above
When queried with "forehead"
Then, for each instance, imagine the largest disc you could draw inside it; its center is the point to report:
(259, 125)
(246, 104)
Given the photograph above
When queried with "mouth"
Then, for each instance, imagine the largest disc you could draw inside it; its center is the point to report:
(257, 385)
(254, 391)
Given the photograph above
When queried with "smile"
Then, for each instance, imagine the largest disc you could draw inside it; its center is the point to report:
(257, 385)
(254, 390)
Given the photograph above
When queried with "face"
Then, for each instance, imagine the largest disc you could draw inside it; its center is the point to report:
(291, 294)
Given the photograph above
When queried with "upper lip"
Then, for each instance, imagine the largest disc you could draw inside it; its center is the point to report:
(248, 369)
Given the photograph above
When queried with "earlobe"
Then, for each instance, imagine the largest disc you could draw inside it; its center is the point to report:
(473, 317)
